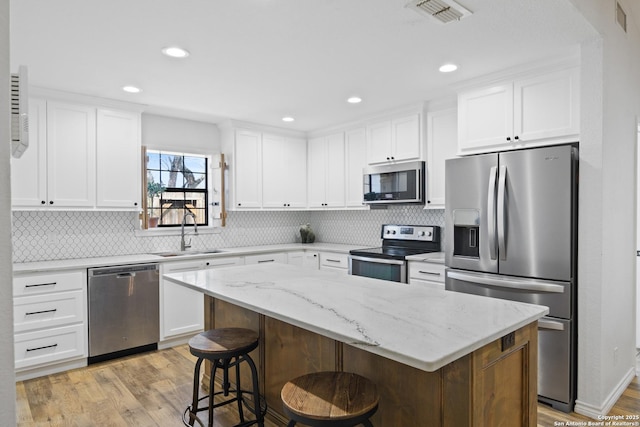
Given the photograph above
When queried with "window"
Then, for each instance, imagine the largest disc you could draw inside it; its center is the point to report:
(177, 184)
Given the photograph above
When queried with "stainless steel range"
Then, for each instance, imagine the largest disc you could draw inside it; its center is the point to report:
(389, 262)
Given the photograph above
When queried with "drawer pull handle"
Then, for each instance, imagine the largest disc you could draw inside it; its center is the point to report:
(333, 260)
(31, 313)
(429, 272)
(41, 284)
(266, 260)
(43, 347)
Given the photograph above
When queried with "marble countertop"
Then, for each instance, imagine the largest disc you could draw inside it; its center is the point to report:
(423, 328)
(69, 264)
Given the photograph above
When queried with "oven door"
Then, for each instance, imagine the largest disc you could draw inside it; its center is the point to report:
(378, 268)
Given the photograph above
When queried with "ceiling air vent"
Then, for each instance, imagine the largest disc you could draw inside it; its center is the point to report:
(442, 10)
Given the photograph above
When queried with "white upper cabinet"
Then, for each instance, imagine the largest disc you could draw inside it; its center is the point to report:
(326, 172)
(397, 139)
(118, 159)
(248, 169)
(355, 144)
(284, 172)
(539, 110)
(29, 172)
(71, 155)
(442, 139)
(58, 169)
(79, 157)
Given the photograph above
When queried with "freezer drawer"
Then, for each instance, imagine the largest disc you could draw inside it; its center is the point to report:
(556, 378)
(555, 295)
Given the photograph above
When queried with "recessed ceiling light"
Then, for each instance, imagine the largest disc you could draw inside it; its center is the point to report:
(175, 52)
(354, 100)
(131, 89)
(288, 119)
(447, 68)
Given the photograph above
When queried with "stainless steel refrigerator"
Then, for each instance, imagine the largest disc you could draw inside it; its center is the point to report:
(511, 233)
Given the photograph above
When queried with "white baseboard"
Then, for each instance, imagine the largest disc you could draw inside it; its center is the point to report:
(593, 411)
(27, 374)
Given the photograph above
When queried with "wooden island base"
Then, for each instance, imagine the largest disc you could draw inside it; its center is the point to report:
(493, 386)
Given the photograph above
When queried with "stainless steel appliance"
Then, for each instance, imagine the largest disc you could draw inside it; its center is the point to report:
(389, 262)
(123, 310)
(401, 183)
(511, 232)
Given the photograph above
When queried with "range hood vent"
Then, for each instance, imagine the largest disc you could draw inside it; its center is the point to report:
(443, 10)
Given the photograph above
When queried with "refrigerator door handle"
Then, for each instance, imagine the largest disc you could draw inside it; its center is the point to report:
(502, 213)
(510, 282)
(491, 213)
(550, 324)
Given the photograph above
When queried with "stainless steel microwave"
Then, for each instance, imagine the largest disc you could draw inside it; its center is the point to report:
(397, 183)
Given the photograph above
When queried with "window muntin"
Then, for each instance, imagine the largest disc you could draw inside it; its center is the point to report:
(177, 183)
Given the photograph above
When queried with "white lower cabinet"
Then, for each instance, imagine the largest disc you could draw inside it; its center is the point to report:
(427, 274)
(181, 308)
(310, 260)
(334, 262)
(49, 317)
(279, 257)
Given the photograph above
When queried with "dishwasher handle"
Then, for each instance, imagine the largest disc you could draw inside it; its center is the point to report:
(122, 270)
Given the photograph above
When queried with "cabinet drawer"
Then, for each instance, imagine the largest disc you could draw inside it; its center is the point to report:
(224, 262)
(48, 310)
(33, 284)
(49, 345)
(280, 257)
(333, 260)
(426, 271)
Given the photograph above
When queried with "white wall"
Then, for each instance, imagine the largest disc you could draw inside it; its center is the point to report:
(606, 267)
(168, 133)
(7, 377)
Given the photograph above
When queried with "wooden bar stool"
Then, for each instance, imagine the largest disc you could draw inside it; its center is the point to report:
(330, 399)
(226, 348)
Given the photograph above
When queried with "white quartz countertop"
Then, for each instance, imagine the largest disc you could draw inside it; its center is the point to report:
(69, 264)
(423, 328)
(434, 257)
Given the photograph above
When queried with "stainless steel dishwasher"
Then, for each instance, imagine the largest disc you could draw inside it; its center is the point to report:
(123, 310)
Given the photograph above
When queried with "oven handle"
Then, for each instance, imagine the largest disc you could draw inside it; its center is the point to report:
(377, 260)
(511, 283)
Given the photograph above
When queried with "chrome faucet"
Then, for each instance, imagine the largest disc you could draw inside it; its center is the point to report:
(183, 244)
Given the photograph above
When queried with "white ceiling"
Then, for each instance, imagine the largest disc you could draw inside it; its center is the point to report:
(258, 60)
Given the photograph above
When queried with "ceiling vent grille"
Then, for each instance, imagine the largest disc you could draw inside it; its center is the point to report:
(442, 10)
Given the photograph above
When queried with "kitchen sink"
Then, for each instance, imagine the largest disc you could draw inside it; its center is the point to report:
(186, 253)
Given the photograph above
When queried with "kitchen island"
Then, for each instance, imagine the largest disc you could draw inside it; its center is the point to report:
(438, 358)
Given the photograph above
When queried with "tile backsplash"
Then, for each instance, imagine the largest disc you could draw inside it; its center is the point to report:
(44, 235)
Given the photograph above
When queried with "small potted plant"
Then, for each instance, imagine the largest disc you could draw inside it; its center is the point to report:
(153, 190)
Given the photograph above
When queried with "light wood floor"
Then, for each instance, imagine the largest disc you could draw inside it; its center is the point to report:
(153, 389)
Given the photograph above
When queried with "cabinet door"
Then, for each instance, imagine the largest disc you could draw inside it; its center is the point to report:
(182, 309)
(248, 154)
(274, 171)
(485, 119)
(442, 142)
(29, 172)
(316, 172)
(284, 172)
(547, 107)
(335, 189)
(379, 142)
(296, 172)
(355, 160)
(71, 154)
(406, 138)
(118, 159)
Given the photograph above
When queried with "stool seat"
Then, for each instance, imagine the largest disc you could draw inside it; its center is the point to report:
(330, 398)
(223, 343)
